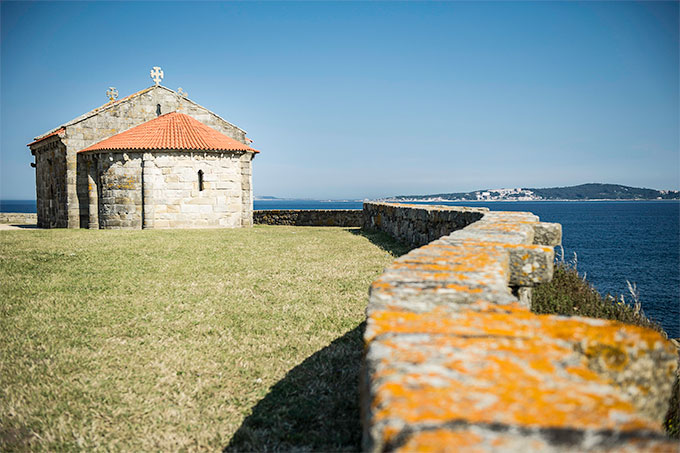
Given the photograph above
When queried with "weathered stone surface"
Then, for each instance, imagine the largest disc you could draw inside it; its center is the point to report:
(548, 233)
(455, 362)
(18, 217)
(530, 264)
(315, 217)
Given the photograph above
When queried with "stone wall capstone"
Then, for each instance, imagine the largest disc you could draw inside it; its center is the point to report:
(454, 361)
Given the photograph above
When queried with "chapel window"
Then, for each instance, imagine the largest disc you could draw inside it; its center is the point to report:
(158, 110)
(200, 180)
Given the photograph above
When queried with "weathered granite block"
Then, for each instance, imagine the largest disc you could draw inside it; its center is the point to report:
(548, 233)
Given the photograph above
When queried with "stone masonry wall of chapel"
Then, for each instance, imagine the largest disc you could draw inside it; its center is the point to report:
(161, 190)
(50, 160)
(177, 200)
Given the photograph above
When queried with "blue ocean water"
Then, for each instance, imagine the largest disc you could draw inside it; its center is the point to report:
(18, 206)
(614, 241)
(262, 205)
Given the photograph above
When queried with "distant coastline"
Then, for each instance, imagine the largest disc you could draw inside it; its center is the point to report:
(582, 192)
(511, 200)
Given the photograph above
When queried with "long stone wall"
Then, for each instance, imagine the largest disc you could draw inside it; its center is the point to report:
(455, 361)
(419, 224)
(18, 217)
(321, 217)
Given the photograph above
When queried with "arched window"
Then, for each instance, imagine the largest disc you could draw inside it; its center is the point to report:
(200, 180)
(158, 110)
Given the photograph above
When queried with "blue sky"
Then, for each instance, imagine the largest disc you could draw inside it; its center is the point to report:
(353, 100)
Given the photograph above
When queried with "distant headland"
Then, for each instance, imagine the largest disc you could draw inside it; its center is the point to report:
(591, 191)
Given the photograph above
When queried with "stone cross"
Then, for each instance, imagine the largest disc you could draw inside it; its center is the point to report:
(181, 92)
(112, 93)
(157, 75)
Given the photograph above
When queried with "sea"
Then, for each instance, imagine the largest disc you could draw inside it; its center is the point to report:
(612, 242)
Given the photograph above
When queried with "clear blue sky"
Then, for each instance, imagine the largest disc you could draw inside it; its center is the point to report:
(353, 100)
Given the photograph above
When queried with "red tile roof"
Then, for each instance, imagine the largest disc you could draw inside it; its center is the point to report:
(172, 131)
(51, 134)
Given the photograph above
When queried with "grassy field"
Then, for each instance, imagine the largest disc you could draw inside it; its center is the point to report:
(182, 340)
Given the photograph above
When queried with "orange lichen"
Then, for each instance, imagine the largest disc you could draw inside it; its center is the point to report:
(443, 441)
(507, 361)
(468, 322)
(581, 372)
(501, 392)
(509, 227)
(466, 289)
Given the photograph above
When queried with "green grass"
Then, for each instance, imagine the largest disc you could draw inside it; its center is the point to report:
(178, 339)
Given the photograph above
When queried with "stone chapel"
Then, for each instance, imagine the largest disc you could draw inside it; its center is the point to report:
(154, 159)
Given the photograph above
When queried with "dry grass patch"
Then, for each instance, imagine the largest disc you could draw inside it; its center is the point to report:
(167, 340)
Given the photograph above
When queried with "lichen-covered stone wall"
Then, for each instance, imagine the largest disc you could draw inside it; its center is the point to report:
(311, 217)
(456, 362)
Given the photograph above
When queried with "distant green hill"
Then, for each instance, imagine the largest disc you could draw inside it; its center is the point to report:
(603, 191)
(592, 191)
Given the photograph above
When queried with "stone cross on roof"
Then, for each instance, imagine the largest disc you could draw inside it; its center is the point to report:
(157, 75)
(112, 93)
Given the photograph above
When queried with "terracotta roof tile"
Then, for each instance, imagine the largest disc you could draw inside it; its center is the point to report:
(172, 131)
(51, 134)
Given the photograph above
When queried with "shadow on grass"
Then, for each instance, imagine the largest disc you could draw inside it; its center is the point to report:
(314, 408)
(383, 240)
(20, 226)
